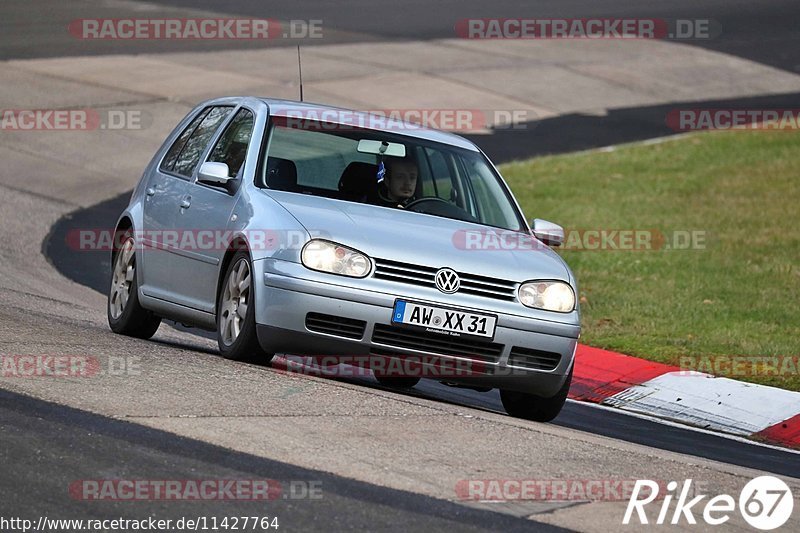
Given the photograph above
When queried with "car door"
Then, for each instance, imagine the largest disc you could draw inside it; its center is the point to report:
(206, 216)
(163, 191)
(164, 195)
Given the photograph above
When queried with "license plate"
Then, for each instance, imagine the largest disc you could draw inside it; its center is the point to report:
(443, 320)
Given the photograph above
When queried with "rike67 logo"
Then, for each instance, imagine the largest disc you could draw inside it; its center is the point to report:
(765, 503)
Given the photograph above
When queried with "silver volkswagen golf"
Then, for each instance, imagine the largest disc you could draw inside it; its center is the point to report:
(297, 228)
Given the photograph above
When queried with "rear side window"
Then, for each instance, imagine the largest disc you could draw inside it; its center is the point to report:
(231, 148)
(195, 145)
(168, 164)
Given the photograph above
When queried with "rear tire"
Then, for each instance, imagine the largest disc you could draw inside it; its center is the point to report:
(236, 328)
(125, 314)
(533, 407)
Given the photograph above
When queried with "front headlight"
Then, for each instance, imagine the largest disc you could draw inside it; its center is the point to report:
(548, 295)
(327, 256)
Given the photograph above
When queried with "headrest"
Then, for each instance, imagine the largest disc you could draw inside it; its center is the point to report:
(281, 174)
(359, 180)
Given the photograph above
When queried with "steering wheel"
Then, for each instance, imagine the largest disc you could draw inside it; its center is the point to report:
(433, 205)
(427, 199)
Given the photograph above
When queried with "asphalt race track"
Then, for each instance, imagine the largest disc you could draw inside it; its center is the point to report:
(385, 459)
(67, 434)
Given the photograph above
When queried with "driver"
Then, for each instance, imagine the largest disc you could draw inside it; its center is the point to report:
(400, 183)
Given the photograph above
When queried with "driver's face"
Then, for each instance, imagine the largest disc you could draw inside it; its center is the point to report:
(402, 182)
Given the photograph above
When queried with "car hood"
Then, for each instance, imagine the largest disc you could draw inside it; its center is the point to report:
(415, 238)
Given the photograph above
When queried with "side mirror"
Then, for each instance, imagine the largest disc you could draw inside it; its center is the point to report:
(549, 233)
(214, 173)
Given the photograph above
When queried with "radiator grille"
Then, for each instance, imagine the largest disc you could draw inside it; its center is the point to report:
(424, 276)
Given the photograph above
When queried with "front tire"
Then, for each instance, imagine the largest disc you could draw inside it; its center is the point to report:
(125, 314)
(236, 313)
(533, 407)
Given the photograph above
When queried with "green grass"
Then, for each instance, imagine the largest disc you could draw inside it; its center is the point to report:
(739, 296)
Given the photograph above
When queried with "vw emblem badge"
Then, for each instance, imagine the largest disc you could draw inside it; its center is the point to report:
(447, 280)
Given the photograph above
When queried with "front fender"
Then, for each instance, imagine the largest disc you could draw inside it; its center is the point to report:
(268, 229)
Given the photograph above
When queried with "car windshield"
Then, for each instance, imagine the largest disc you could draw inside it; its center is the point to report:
(438, 179)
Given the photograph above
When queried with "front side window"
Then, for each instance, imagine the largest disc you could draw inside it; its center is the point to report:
(231, 148)
(434, 178)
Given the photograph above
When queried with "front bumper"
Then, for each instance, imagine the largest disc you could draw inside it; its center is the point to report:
(287, 292)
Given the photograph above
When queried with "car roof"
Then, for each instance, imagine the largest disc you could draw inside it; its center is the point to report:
(362, 119)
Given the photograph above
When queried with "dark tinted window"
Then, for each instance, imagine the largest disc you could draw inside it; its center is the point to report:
(232, 146)
(175, 150)
(194, 147)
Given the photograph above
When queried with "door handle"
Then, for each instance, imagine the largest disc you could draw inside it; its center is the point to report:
(186, 202)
